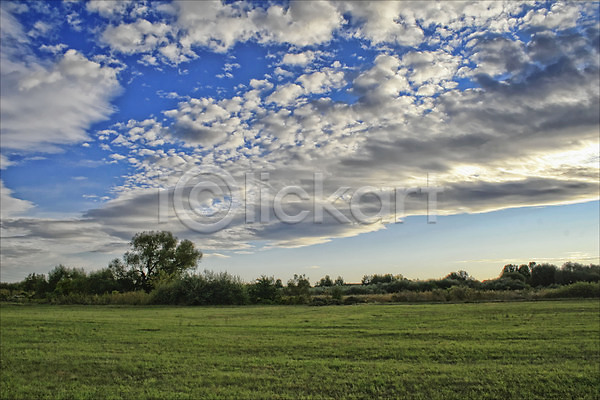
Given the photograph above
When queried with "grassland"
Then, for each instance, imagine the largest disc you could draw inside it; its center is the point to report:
(521, 350)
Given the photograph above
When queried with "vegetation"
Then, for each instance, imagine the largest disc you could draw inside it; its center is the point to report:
(157, 270)
(157, 257)
(523, 350)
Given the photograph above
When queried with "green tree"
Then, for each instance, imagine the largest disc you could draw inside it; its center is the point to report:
(459, 276)
(158, 256)
(525, 270)
(543, 275)
(509, 269)
(64, 281)
(298, 289)
(36, 283)
(264, 290)
(325, 282)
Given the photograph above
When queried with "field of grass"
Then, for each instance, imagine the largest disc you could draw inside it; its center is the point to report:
(521, 350)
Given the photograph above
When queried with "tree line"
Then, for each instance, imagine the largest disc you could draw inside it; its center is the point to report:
(158, 270)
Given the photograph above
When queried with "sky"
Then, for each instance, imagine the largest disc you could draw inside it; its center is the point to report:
(339, 138)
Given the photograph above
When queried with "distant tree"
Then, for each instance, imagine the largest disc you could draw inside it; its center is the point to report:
(158, 256)
(339, 281)
(375, 279)
(513, 275)
(572, 272)
(264, 290)
(509, 269)
(36, 283)
(459, 276)
(525, 271)
(325, 282)
(63, 280)
(543, 275)
(298, 289)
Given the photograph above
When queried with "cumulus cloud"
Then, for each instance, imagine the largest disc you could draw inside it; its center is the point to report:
(137, 37)
(285, 94)
(108, 9)
(45, 106)
(219, 26)
(301, 59)
(12, 206)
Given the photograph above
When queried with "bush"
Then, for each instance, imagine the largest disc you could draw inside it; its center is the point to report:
(576, 290)
(462, 293)
(324, 301)
(297, 290)
(264, 290)
(353, 300)
(206, 289)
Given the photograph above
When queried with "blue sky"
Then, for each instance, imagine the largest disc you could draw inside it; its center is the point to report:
(105, 106)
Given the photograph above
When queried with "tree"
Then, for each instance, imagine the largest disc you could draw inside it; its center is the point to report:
(264, 290)
(36, 283)
(326, 281)
(339, 281)
(156, 256)
(543, 275)
(375, 279)
(525, 270)
(298, 289)
(459, 276)
(509, 269)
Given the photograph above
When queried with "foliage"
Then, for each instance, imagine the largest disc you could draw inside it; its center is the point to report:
(208, 288)
(64, 285)
(324, 282)
(159, 257)
(297, 290)
(575, 290)
(265, 290)
(543, 275)
(375, 279)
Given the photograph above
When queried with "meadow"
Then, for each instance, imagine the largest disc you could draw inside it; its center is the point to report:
(496, 350)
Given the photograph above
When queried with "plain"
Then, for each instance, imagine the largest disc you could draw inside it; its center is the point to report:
(508, 350)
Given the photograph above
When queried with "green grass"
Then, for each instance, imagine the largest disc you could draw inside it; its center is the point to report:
(524, 350)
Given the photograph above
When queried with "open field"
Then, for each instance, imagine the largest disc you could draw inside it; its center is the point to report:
(544, 350)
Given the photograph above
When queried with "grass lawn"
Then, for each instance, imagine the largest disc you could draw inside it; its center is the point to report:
(521, 350)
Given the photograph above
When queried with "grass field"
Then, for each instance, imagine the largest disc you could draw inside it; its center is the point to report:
(521, 350)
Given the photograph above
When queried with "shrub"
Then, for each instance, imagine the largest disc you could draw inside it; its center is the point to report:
(206, 289)
(353, 300)
(264, 291)
(575, 290)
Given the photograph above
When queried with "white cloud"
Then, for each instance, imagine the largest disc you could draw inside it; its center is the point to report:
(11, 206)
(300, 59)
(286, 94)
(382, 22)
(219, 26)
(140, 36)
(322, 81)
(261, 84)
(117, 156)
(431, 66)
(108, 8)
(55, 49)
(302, 23)
(560, 15)
(43, 107)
